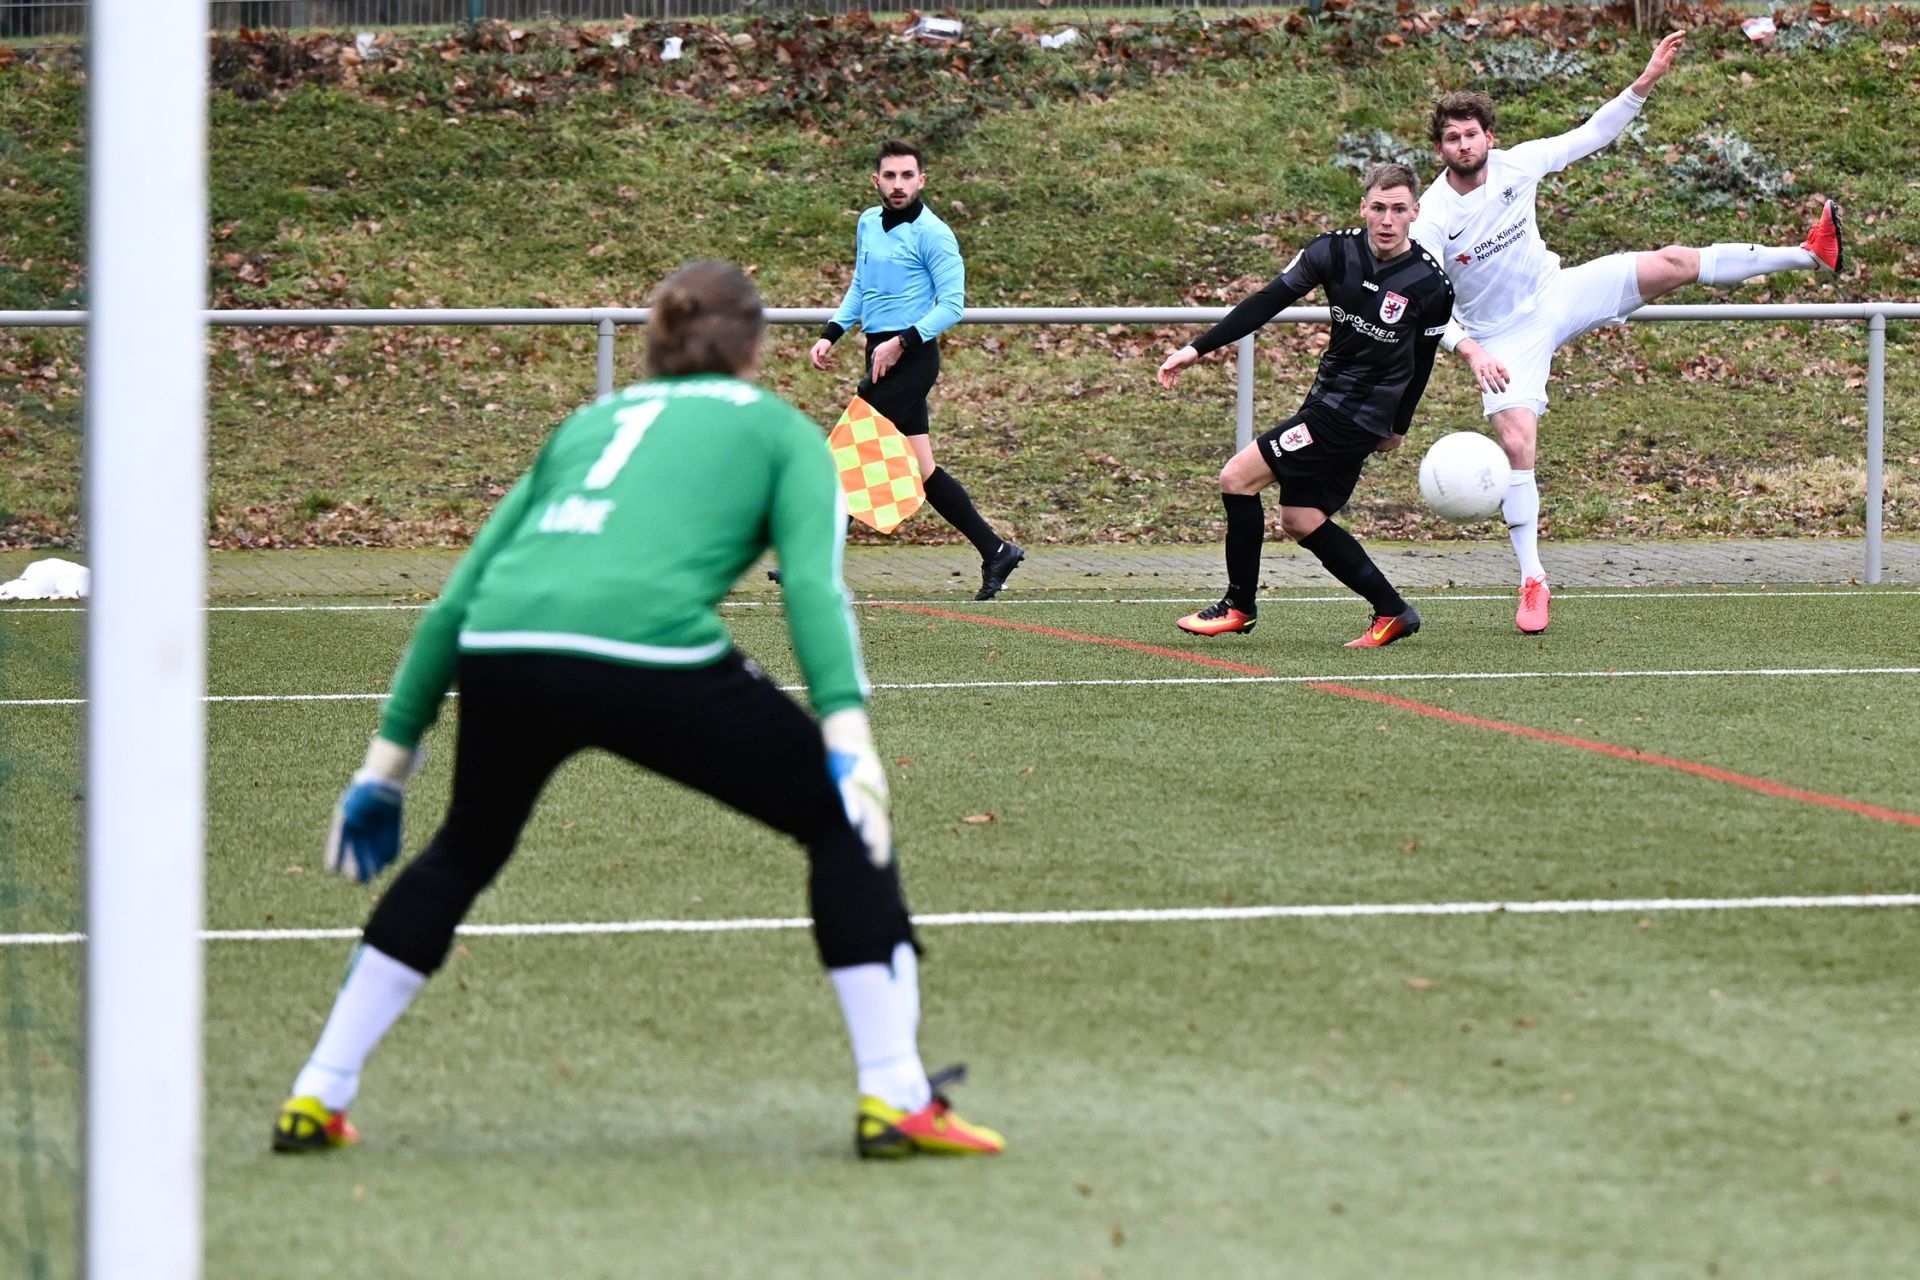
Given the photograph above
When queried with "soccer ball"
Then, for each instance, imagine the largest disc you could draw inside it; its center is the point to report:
(1464, 476)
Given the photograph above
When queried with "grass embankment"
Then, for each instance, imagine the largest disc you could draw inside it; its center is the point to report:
(1148, 166)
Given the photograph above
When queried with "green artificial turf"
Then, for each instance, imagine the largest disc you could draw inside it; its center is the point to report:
(1638, 1092)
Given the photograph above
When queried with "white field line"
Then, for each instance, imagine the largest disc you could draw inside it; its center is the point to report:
(1570, 593)
(1429, 677)
(1391, 677)
(1139, 915)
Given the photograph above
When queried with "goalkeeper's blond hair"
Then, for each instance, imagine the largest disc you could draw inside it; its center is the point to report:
(707, 318)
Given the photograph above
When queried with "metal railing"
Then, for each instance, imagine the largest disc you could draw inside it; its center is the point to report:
(607, 320)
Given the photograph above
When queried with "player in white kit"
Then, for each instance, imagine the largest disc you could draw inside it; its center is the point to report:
(1513, 303)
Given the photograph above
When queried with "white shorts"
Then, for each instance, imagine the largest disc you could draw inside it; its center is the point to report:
(1577, 300)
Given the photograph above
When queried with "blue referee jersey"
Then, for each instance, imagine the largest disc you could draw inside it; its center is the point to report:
(907, 275)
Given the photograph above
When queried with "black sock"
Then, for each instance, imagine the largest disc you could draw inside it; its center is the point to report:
(1346, 560)
(1246, 529)
(949, 498)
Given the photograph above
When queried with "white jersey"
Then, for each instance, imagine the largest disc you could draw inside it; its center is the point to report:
(1488, 240)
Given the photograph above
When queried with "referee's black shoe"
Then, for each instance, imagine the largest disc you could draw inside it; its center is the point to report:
(995, 568)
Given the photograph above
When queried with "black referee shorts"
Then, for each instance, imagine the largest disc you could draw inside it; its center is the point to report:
(902, 394)
(1317, 458)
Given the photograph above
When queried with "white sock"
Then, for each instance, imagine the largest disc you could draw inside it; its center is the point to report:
(1522, 510)
(1731, 263)
(882, 1007)
(377, 991)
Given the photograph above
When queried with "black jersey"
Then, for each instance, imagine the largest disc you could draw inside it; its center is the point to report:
(1387, 322)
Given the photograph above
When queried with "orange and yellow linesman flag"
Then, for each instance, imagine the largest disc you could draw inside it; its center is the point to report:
(878, 471)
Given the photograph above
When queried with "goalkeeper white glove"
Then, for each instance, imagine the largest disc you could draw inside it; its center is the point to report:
(365, 837)
(855, 769)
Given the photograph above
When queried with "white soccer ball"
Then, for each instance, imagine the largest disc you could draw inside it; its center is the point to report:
(1464, 476)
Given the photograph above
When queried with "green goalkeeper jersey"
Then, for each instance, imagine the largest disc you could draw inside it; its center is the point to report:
(639, 514)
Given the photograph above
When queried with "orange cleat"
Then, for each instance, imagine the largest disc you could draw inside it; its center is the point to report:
(1532, 615)
(1219, 619)
(1824, 241)
(1385, 630)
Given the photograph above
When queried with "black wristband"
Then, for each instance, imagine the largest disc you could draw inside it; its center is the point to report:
(833, 332)
(909, 339)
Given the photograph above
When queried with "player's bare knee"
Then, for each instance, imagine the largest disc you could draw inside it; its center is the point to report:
(1299, 522)
(1664, 270)
(1516, 432)
(1232, 482)
(1244, 476)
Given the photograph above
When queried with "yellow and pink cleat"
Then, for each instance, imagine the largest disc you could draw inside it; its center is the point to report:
(305, 1124)
(885, 1132)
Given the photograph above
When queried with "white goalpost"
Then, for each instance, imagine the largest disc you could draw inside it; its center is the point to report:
(144, 512)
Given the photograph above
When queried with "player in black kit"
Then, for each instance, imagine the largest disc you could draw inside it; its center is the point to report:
(1390, 302)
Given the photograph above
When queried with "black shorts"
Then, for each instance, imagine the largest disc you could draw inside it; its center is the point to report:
(723, 729)
(902, 394)
(1317, 458)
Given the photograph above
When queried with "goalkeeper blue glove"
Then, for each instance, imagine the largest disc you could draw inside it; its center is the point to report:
(365, 837)
(855, 769)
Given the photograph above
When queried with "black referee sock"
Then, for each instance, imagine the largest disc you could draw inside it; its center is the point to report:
(1246, 529)
(1348, 561)
(949, 498)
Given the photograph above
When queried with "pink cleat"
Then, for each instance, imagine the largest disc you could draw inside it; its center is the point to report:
(1532, 616)
(1824, 241)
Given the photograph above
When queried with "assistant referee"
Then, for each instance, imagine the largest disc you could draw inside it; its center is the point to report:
(909, 286)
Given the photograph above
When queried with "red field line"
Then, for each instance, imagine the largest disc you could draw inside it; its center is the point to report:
(1076, 635)
(1631, 754)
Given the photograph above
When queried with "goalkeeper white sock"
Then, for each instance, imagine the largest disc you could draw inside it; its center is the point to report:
(882, 1007)
(377, 991)
(1731, 263)
(1521, 508)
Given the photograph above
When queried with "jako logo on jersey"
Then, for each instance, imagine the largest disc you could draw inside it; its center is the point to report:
(1294, 437)
(1392, 307)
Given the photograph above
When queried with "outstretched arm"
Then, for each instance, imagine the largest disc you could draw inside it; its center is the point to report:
(1241, 321)
(1664, 55)
(1307, 270)
(1550, 155)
